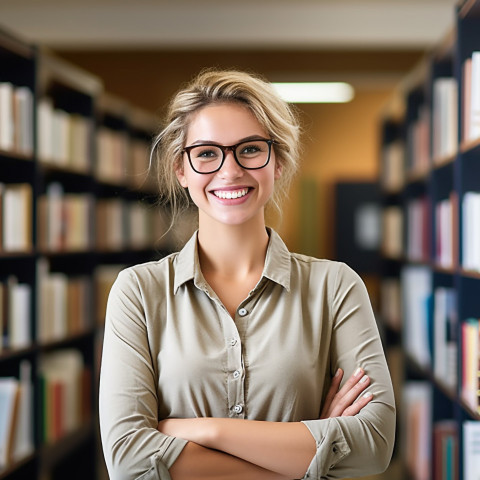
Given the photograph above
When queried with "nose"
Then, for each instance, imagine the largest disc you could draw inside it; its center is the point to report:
(230, 167)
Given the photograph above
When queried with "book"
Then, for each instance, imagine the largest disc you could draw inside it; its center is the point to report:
(24, 437)
(445, 337)
(445, 450)
(63, 394)
(444, 118)
(23, 120)
(474, 117)
(471, 450)
(9, 401)
(7, 132)
(19, 314)
(17, 206)
(418, 229)
(470, 331)
(417, 313)
(417, 428)
(471, 231)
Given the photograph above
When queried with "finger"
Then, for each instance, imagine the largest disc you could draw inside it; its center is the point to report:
(332, 391)
(348, 398)
(358, 405)
(352, 381)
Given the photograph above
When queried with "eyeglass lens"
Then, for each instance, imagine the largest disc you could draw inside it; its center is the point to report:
(250, 155)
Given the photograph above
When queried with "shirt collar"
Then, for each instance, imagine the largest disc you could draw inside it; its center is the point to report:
(277, 263)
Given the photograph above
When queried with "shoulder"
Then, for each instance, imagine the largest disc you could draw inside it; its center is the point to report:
(143, 275)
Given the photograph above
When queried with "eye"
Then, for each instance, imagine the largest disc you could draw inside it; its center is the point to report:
(251, 148)
(205, 152)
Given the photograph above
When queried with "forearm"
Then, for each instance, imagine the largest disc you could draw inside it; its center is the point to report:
(283, 447)
(201, 463)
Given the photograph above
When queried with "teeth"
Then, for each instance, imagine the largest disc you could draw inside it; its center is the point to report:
(230, 194)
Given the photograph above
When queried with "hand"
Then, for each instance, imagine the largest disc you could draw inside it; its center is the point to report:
(341, 403)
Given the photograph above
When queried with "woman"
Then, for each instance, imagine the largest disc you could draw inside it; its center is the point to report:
(225, 360)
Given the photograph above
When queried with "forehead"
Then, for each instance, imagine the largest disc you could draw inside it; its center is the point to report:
(223, 123)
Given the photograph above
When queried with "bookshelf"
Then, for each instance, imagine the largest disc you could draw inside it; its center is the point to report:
(77, 204)
(430, 180)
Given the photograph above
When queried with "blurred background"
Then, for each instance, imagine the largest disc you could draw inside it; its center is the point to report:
(139, 53)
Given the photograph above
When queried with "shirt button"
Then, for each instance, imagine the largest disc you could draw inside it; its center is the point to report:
(236, 373)
(233, 342)
(238, 409)
(242, 312)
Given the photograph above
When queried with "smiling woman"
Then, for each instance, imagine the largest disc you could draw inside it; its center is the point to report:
(227, 359)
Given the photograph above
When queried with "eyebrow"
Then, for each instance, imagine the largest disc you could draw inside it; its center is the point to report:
(212, 142)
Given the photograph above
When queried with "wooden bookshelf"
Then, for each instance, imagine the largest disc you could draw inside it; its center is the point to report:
(69, 109)
(440, 295)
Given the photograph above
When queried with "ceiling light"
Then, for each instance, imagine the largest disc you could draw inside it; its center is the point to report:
(315, 92)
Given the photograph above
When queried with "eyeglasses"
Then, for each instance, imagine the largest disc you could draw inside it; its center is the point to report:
(209, 157)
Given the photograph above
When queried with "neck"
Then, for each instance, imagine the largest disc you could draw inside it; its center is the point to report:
(232, 250)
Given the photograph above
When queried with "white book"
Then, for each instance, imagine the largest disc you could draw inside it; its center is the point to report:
(474, 129)
(471, 231)
(7, 135)
(19, 315)
(471, 450)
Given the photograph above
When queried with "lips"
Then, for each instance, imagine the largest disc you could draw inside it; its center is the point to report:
(230, 194)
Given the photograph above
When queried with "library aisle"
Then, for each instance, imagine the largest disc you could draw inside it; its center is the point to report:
(77, 204)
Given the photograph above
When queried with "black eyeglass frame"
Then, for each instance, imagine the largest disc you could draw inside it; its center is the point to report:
(232, 148)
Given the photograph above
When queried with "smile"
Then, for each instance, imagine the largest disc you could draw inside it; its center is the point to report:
(230, 194)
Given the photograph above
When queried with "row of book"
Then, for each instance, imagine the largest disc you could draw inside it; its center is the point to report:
(64, 304)
(16, 205)
(437, 456)
(63, 139)
(113, 154)
(124, 224)
(16, 416)
(123, 160)
(15, 314)
(446, 244)
(430, 324)
(16, 119)
(65, 220)
(65, 394)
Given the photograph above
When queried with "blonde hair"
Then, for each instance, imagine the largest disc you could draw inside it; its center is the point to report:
(219, 86)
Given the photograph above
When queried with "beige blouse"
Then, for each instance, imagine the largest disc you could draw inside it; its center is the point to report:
(171, 349)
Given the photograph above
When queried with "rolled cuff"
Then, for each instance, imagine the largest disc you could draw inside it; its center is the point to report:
(161, 464)
(331, 447)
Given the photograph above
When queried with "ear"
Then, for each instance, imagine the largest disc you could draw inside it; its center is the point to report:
(179, 172)
(278, 170)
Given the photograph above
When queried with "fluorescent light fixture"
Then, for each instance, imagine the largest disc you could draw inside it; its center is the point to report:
(315, 92)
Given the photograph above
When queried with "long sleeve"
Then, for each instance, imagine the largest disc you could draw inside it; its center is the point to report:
(362, 444)
(133, 447)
